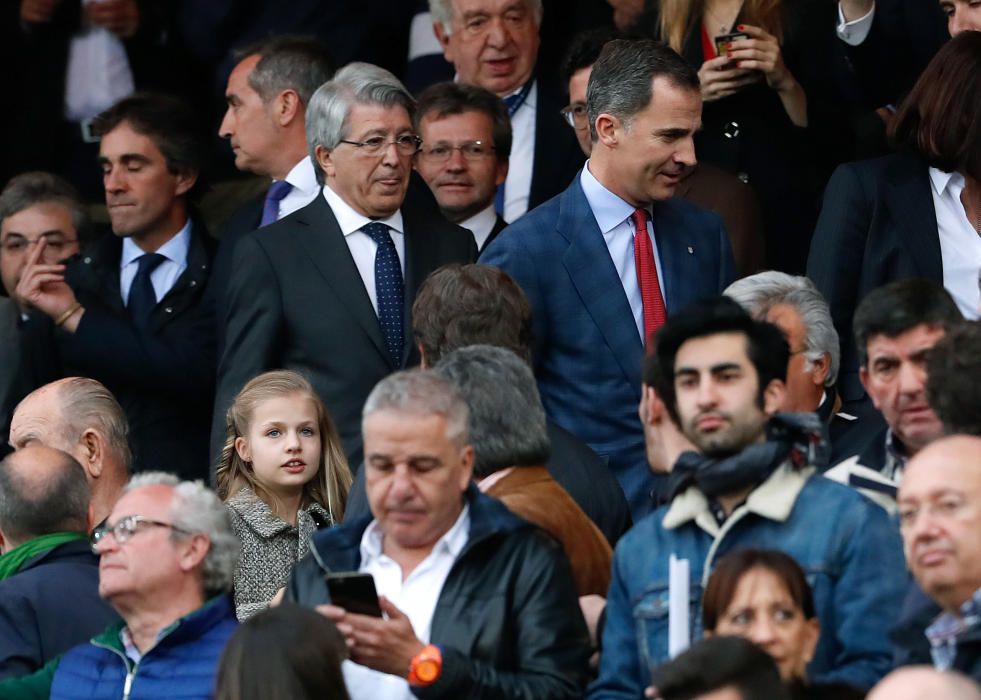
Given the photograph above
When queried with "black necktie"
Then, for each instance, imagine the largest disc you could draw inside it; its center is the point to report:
(389, 289)
(142, 298)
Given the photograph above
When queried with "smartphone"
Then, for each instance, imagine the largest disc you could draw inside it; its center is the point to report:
(355, 592)
(723, 42)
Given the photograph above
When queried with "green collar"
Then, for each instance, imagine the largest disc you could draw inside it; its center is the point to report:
(14, 560)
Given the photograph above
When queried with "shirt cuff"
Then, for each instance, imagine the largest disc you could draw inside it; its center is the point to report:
(854, 33)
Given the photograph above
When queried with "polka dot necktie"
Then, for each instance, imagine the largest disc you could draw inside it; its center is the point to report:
(389, 289)
(142, 298)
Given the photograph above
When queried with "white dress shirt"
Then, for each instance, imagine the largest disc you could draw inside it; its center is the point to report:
(855, 32)
(416, 596)
(960, 244)
(360, 244)
(517, 186)
(165, 275)
(614, 217)
(481, 224)
(305, 188)
(98, 73)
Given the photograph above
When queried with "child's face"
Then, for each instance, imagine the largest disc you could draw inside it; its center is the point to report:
(283, 443)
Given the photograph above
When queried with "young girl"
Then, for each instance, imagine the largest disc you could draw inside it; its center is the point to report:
(282, 476)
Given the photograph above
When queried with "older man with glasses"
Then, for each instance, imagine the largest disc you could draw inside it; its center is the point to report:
(326, 290)
(466, 142)
(167, 556)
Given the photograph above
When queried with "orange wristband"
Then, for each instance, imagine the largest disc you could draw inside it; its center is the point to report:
(425, 667)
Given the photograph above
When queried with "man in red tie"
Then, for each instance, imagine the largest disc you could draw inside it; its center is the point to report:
(605, 262)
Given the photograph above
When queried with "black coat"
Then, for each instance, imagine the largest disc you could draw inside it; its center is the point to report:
(507, 617)
(51, 605)
(296, 300)
(877, 225)
(578, 469)
(163, 376)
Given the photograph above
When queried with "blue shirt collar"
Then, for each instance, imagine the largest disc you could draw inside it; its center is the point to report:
(174, 250)
(609, 209)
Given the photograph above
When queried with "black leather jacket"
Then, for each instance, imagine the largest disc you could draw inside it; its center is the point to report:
(507, 618)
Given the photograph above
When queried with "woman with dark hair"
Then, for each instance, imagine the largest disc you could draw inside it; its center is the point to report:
(763, 595)
(916, 213)
(285, 652)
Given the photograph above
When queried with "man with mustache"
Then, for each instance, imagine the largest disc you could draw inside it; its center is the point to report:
(327, 290)
(131, 311)
(466, 141)
(605, 262)
(896, 326)
(940, 520)
(720, 374)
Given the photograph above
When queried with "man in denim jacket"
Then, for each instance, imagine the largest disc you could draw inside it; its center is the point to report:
(721, 376)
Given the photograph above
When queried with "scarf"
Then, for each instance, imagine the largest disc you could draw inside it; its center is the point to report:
(797, 436)
(12, 561)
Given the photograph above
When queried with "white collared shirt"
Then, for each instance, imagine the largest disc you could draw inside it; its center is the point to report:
(481, 224)
(360, 244)
(614, 217)
(416, 596)
(98, 73)
(517, 186)
(960, 244)
(855, 32)
(303, 177)
(166, 274)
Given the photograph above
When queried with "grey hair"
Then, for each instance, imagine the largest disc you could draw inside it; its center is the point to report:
(507, 420)
(425, 393)
(442, 12)
(29, 189)
(761, 292)
(196, 509)
(298, 63)
(87, 404)
(622, 81)
(330, 106)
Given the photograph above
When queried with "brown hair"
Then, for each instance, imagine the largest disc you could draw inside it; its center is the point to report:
(460, 305)
(679, 18)
(730, 570)
(328, 488)
(941, 118)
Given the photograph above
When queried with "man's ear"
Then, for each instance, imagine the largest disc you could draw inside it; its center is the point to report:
(444, 40)
(501, 172)
(774, 396)
(608, 130)
(652, 408)
(467, 460)
(94, 451)
(194, 549)
(287, 105)
(324, 160)
(423, 364)
(821, 367)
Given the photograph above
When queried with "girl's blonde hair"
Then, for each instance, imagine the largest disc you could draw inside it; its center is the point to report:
(679, 18)
(328, 488)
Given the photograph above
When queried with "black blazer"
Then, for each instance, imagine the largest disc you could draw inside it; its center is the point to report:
(877, 225)
(163, 377)
(295, 299)
(557, 154)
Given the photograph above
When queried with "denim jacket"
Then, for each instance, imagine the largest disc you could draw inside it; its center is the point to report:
(846, 544)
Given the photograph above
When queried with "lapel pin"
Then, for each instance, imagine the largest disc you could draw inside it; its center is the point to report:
(691, 250)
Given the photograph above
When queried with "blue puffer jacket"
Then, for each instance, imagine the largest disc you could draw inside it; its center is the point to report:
(181, 666)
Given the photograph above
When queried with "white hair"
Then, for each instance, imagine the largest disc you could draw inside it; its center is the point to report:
(442, 12)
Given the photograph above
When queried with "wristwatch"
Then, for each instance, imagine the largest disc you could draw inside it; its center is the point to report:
(425, 667)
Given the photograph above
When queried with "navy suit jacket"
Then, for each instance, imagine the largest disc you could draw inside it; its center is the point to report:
(588, 353)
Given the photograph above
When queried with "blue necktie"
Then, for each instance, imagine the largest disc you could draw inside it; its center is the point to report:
(142, 298)
(274, 195)
(389, 289)
(512, 102)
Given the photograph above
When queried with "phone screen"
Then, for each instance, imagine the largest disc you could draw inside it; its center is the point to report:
(723, 42)
(355, 592)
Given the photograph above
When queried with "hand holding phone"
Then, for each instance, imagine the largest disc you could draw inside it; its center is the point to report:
(723, 42)
(355, 592)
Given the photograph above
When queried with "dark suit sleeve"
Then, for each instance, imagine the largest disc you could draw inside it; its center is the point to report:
(253, 324)
(19, 650)
(837, 250)
(110, 346)
(727, 263)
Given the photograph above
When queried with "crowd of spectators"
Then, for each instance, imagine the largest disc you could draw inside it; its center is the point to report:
(527, 349)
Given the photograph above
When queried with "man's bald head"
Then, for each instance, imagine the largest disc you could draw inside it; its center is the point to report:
(42, 490)
(917, 682)
(940, 518)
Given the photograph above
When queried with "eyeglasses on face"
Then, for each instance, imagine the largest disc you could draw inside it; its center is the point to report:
(406, 144)
(575, 115)
(470, 150)
(126, 527)
(15, 244)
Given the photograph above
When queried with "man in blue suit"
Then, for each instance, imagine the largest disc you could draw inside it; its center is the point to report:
(604, 262)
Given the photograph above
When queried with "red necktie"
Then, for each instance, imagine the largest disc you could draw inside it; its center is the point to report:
(650, 288)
